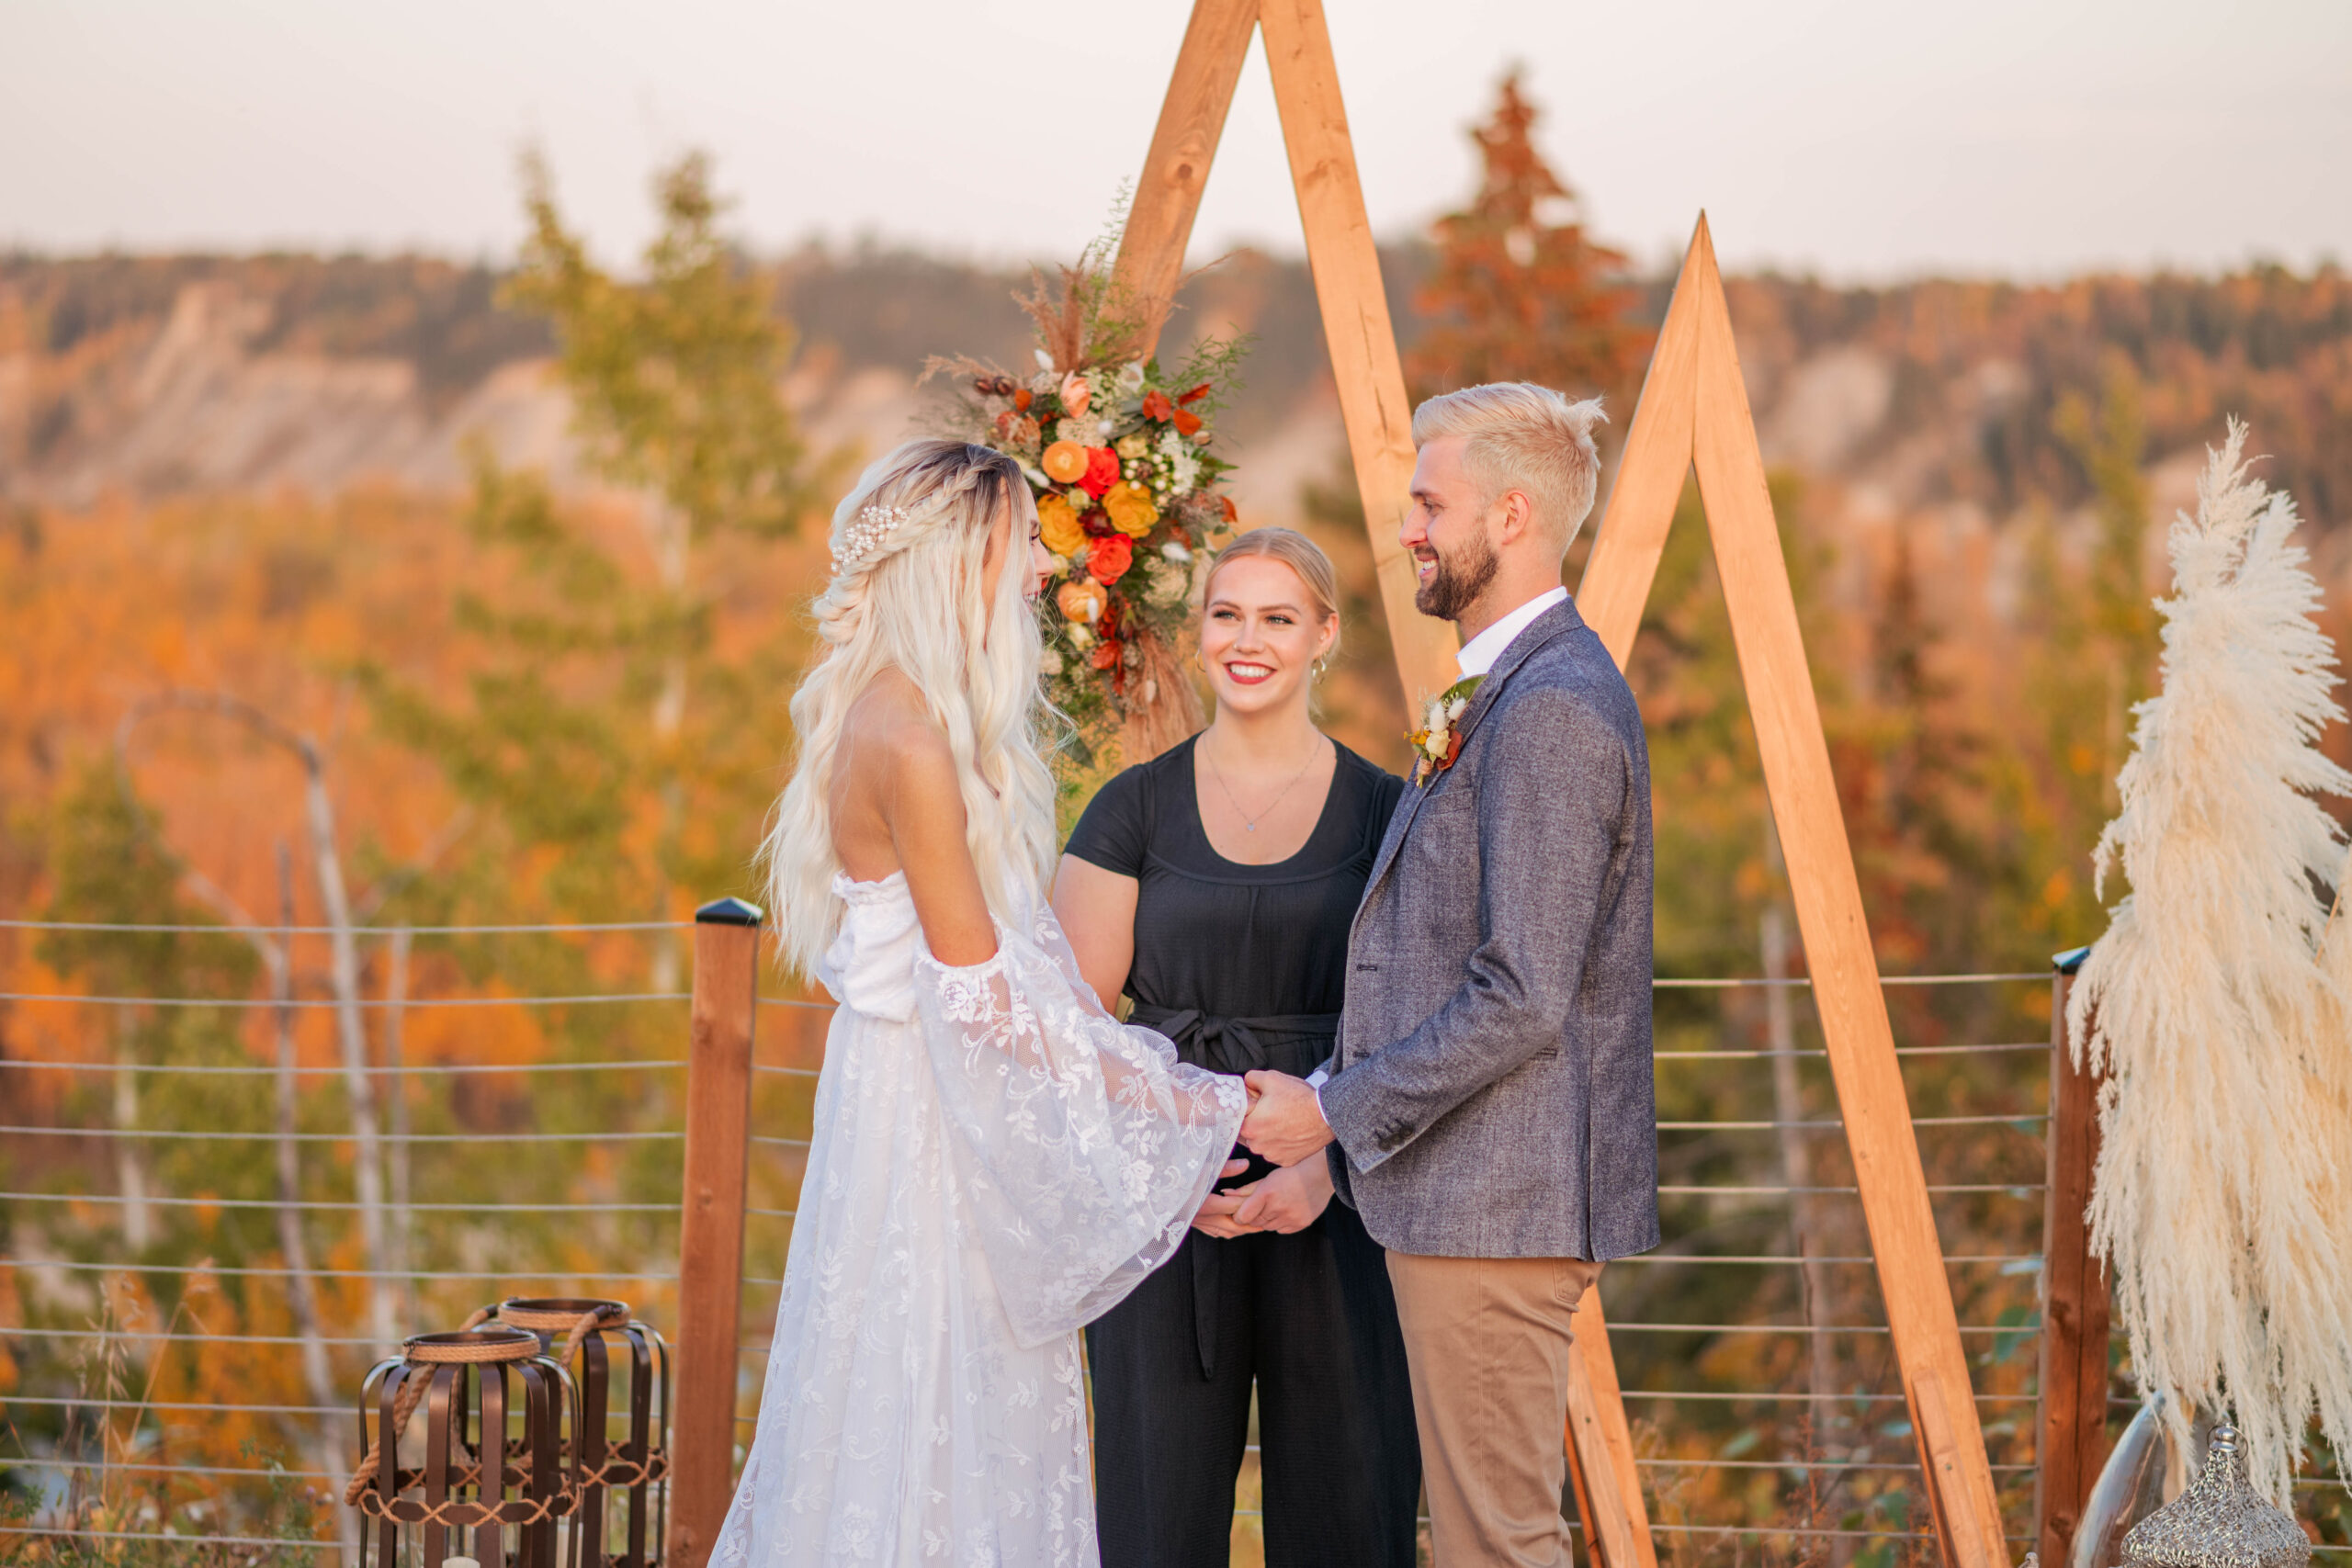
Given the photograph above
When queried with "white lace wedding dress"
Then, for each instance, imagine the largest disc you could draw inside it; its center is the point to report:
(996, 1161)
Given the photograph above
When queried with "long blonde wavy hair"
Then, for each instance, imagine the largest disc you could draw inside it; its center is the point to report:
(908, 596)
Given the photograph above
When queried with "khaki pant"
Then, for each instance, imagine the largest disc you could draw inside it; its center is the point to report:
(1487, 1344)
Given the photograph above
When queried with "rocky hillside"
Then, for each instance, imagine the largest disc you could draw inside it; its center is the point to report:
(1935, 411)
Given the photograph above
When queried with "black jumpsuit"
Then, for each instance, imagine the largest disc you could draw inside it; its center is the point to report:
(1243, 966)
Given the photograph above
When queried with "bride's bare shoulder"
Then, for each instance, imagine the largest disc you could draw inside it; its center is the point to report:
(893, 748)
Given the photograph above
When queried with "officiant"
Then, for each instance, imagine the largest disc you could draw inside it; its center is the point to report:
(1213, 886)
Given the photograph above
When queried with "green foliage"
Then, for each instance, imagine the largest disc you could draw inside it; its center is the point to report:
(675, 377)
(607, 728)
(107, 865)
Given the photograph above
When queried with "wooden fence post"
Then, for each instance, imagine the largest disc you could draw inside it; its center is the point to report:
(2072, 1443)
(710, 1234)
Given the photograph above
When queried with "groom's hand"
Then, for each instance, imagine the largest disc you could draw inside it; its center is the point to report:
(1286, 1124)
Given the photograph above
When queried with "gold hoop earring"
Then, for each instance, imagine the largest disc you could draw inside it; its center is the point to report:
(1319, 670)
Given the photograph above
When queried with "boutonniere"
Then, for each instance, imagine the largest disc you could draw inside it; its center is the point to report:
(1436, 744)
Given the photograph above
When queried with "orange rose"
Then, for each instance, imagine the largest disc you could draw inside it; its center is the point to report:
(1064, 462)
(1082, 601)
(1109, 558)
(1132, 510)
(1057, 524)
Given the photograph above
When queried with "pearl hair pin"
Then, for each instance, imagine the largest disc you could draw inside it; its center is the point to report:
(864, 536)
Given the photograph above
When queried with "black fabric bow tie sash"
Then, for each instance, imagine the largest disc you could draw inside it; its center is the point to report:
(1293, 1043)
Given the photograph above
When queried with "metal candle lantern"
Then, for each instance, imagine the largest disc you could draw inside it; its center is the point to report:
(639, 1464)
(472, 1486)
(2218, 1522)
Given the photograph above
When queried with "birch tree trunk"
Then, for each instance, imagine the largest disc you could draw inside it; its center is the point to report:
(351, 1036)
(129, 1163)
(401, 1258)
(1796, 1165)
(301, 1289)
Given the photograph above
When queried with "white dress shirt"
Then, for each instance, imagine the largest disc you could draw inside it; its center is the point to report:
(1478, 655)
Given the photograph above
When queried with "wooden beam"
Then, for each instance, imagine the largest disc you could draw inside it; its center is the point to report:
(1617, 575)
(710, 1240)
(2072, 1444)
(1346, 264)
(1828, 899)
(1600, 1444)
(1192, 120)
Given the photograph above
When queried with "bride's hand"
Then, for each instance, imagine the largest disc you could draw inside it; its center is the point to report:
(1290, 1199)
(1215, 1215)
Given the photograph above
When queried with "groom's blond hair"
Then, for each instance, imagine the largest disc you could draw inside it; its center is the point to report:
(1521, 437)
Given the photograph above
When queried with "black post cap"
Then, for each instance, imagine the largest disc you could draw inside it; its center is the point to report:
(2066, 962)
(728, 912)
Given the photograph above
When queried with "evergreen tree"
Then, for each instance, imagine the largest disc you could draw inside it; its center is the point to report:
(1521, 292)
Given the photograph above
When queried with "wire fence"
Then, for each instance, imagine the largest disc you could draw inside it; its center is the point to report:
(165, 1287)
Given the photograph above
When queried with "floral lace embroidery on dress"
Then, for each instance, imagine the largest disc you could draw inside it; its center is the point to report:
(995, 1162)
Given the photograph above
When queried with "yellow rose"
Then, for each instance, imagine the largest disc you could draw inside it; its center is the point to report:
(1134, 446)
(1131, 509)
(1064, 462)
(1057, 524)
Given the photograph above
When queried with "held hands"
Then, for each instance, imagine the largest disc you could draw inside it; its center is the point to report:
(1290, 1199)
(1285, 1122)
(1214, 1216)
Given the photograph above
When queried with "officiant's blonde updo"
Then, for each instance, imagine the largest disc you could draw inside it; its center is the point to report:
(908, 553)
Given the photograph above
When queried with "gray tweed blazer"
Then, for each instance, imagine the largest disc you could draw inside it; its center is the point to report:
(1492, 1091)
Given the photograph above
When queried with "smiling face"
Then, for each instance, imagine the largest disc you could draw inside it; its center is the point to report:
(992, 560)
(1260, 635)
(1449, 533)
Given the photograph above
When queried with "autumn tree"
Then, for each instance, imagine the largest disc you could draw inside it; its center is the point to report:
(1520, 291)
(607, 733)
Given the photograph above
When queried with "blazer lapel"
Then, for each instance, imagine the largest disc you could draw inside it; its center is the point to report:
(1557, 621)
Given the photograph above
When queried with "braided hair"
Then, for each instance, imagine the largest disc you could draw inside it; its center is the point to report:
(908, 543)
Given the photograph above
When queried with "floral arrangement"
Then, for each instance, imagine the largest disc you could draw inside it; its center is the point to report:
(1120, 454)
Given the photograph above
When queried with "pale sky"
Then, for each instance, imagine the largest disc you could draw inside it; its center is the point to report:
(1864, 139)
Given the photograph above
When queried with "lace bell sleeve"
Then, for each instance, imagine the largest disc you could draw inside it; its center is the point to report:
(1083, 1145)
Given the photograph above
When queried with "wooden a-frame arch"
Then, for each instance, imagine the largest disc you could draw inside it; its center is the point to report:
(1693, 413)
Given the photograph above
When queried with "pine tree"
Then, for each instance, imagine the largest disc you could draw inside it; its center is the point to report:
(1521, 292)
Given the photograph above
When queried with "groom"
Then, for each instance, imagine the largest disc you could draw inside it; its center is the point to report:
(1491, 1107)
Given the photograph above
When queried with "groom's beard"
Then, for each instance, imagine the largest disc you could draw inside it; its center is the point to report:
(1459, 580)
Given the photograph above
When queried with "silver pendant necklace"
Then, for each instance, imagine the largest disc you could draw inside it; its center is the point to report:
(1250, 823)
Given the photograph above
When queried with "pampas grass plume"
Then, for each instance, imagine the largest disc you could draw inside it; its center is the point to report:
(2219, 1000)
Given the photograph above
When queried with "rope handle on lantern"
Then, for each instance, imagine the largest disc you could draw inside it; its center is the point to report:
(538, 1320)
(436, 1349)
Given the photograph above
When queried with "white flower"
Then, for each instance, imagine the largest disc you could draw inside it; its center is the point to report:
(1171, 446)
(1045, 362)
(1174, 550)
(1169, 582)
(1081, 638)
(1435, 719)
(1456, 708)
(1131, 377)
(1049, 662)
(1187, 472)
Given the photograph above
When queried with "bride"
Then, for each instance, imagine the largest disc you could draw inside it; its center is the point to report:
(996, 1159)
